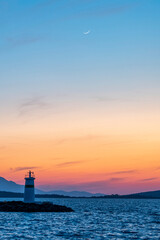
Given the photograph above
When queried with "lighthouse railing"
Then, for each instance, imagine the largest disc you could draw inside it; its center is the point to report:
(30, 174)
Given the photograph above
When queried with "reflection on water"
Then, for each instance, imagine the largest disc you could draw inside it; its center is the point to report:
(92, 219)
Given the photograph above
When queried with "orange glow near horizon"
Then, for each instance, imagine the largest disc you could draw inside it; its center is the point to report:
(113, 163)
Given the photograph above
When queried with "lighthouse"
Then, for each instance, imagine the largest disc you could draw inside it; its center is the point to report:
(29, 187)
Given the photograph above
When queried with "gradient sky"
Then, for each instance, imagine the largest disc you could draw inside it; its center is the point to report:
(81, 110)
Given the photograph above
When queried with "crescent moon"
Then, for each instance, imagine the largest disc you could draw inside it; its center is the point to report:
(86, 33)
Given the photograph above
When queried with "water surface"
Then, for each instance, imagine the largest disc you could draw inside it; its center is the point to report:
(92, 219)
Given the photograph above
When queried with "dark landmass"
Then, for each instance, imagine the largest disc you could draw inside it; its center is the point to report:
(150, 194)
(4, 194)
(74, 193)
(143, 195)
(19, 206)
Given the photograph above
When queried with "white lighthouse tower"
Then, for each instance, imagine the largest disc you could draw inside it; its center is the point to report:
(29, 187)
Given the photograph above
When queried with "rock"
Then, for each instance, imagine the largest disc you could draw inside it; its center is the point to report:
(19, 206)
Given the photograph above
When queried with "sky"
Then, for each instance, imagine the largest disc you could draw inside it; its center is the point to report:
(80, 94)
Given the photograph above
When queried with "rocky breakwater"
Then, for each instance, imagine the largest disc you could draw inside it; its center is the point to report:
(19, 206)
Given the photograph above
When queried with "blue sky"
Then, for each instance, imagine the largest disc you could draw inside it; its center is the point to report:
(43, 46)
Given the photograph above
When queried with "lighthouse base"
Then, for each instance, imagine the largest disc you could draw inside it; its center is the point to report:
(18, 206)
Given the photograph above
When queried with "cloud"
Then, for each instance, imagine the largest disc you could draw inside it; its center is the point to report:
(68, 164)
(104, 10)
(32, 104)
(13, 42)
(123, 172)
(149, 179)
(116, 179)
(18, 169)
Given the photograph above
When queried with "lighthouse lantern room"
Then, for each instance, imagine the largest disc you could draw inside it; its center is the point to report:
(29, 194)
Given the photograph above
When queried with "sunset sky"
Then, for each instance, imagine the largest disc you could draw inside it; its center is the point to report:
(80, 94)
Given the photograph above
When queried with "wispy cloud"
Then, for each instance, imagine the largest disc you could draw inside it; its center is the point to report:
(33, 104)
(12, 42)
(149, 179)
(68, 164)
(18, 169)
(116, 179)
(123, 172)
(104, 11)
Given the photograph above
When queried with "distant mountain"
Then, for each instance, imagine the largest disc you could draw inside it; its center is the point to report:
(75, 193)
(10, 186)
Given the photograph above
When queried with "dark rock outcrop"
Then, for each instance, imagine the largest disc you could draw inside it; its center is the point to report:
(19, 206)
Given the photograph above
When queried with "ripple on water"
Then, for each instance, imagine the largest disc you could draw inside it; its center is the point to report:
(93, 219)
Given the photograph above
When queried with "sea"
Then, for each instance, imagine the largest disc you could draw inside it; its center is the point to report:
(93, 219)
